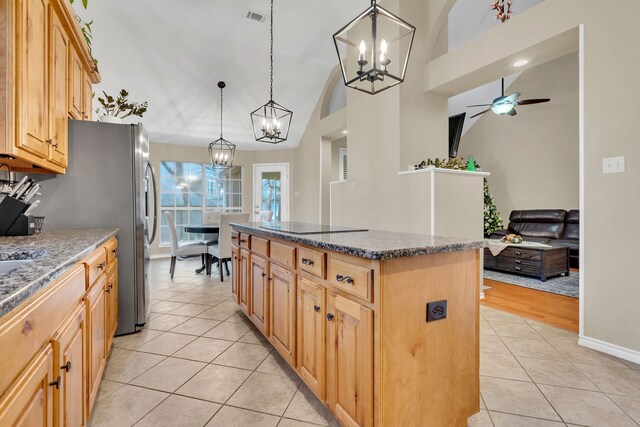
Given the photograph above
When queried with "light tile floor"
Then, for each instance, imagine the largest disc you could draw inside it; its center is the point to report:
(200, 362)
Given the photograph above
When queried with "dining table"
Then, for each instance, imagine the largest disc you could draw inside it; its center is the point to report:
(203, 229)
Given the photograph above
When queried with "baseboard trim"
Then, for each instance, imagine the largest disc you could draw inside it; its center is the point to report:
(612, 349)
(160, 256)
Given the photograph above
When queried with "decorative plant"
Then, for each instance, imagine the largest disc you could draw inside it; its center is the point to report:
(87, 32)
(503, 9)
(492, 219)
(120, 106)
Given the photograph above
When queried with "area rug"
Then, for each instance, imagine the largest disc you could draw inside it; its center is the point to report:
(563, 285)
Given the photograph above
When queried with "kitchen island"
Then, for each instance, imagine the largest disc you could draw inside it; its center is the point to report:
(383, 327)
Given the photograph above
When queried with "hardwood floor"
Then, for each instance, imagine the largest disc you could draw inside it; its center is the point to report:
(545, 307)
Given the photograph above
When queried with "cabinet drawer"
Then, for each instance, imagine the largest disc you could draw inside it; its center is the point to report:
(521, 253)
(112, 250)
(26, 331)
(260, 246)
(312, 261)
(244, 240)
(96, 264)
(283, 254)
(235, 238)
(520, 266)
(352, 278)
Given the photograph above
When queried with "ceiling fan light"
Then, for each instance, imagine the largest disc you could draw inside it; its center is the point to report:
(502, 109)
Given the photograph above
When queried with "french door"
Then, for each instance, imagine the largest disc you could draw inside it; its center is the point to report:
(271, 191)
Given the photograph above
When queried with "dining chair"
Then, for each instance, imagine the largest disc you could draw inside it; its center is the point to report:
(210, 218)
(265, 216)
(179, 248)
(222, 250)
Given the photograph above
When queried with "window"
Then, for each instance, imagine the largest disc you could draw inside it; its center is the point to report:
(189, 189)
(343, 163)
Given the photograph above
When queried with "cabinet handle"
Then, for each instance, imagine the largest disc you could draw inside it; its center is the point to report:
(316, 308)
(114, 252)
(518, 253)
(341, 279)
(518, 261)
(48, 141)
(57, 382)
(307, 261)
(66, 367)
(100, 266)
(54, 145)
(243, 240)
(329, 317)
(264, 274)
(518, 269)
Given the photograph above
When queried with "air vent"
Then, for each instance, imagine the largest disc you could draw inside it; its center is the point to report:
(256, 16)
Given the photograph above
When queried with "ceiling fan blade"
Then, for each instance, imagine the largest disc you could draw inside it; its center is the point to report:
(512, 112)
(480, 113)
(533, 101)
(479, 105)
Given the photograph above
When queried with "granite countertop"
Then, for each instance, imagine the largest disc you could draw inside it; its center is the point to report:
(372, 244)
(53, 253)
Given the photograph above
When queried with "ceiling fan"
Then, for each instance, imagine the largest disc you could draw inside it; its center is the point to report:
(507, 104)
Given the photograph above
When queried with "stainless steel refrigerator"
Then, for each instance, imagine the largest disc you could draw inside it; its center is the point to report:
(109, 183)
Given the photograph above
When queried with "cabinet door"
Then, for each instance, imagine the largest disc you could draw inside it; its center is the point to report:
(96, 308)
(259, 290)
(29, 401)
(282, 312)
(112, 304)
(311, 312)
(69, 361)
(58, 80)
(32, 120)
(235, 274)
(350, 361)
(76, 80)
(244, 281)
(87, 95)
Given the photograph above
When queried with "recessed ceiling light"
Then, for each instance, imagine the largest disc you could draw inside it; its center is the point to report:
(520, 63)
(344, 132)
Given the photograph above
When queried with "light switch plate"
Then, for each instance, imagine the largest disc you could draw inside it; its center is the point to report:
(613, 165)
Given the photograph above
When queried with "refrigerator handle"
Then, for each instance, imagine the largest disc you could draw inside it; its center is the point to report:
(155, 202)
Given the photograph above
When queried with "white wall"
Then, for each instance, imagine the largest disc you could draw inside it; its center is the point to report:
(533, 157)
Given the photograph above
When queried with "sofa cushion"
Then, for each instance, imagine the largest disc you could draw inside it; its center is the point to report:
(571, 231)
(573, 217)
(538, 229)
(538, 215)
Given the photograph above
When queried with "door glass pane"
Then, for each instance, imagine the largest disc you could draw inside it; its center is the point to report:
(271, 198)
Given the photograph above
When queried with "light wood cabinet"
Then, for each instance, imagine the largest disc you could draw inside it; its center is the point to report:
(111, 301)
(259, 289)
(70, 358)
(282, 311)
(46, 76)
(358, 336)
(235, 274)
(29, 401)
(311, 311)
(58, 84)
(243, 274)
(96, 307)
(350, 361)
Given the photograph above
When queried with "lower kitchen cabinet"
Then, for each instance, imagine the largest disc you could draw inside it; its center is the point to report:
(70, 358)
(235, 276)
(259, 290)
(350, 361)
(282, 311)
(29, 400)
(243, 275)
(311, 321)
(96, 307)
(55, 384)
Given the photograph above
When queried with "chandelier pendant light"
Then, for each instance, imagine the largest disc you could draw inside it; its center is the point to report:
(221, 151)
(374, 49)
(271, 122)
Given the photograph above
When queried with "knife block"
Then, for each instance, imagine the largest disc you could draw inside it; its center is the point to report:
(11, 209)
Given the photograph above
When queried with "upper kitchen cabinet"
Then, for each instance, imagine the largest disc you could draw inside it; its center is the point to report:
(46, 77)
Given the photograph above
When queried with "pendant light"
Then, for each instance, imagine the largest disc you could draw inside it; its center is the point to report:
(272, 121)
(221, 151)
(374, 49)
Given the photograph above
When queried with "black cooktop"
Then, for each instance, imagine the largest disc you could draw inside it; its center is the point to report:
(304, 228)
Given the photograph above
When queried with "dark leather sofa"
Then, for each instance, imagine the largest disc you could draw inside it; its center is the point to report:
(555, 227)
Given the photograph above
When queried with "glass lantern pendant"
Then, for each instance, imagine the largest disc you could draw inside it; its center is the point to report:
(271, 122)
(374, 49)
(221, 151)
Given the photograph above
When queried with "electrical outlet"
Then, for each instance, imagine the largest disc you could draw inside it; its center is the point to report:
(613, 165)
(436, 310)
